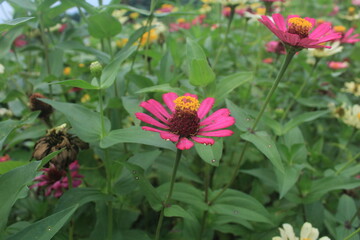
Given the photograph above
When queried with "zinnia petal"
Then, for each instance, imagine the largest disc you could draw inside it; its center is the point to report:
(169, 136)
(184, 144)
(225, 122)
(169, 99)
(146, 118)
(212, 118)
(219, 133)
(152, 109)
(207, 141)
(205, 107)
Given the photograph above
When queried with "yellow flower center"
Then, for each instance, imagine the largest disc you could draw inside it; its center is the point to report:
(181, 20)
(67, 71)
(187, 103)
(299, 26)
(358, 115)
(340, 29)
(351, 10)
(134, 15)
(81, 65)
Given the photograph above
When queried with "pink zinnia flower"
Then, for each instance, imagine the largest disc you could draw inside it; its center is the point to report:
(62, 27)
(335, 10)
(295, 31)
(5, 158)
(20, 41)
(186, 120)
(355, 2)
(226, 11)
(338, 65)
(275, 47)
(55, 181)
(347, 38)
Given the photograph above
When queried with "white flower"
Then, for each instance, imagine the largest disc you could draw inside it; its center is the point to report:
(2, 69)
(352, 116)
(353, 88)
(5, 112)
(120, 15)
(307, 233)
(326, 52)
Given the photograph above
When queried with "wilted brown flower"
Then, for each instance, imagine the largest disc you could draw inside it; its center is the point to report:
(56, 139)
(36, 105)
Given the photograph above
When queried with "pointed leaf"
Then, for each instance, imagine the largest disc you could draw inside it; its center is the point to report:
(177, 211)
(76, 83)
(5, 26)
(210, 154)
(103, 25)
(266, 145)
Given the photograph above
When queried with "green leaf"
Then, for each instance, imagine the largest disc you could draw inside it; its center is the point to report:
(86, 124)
(110, 72)
(76, 83)
(288, 178)
(266, 145)
(10, 165)
(244, 120)
(177, 211)
(200, 73)
(210, 154)
(24, 4)
(6, 127)
(13, 23)
(12, 184)
(77, 46)
(145, 186)
(80, 196)
(103, 25)
(161, 88)
(229, 83)
(131, 105)
(135, 135)
(305, 117)
(46, 228)
(7, 40)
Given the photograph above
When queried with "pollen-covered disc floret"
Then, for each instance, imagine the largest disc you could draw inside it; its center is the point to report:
(186, 121)
(299, 26)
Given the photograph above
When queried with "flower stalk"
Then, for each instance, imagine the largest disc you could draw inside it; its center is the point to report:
(291, 52)
(165, 203)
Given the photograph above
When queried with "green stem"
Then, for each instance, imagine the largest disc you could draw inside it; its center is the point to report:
(161, 218)
(297, 95)
(231, 17)
(352, 234)
(103, 132)
(289, 56)
(206, 199)
(109, 191)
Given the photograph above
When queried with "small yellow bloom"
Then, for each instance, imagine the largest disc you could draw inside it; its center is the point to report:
(85, 98)
(340, 29)
(351, 10)
(121, 42)
(152, 35)
(81, 65)
(134, 15)
(261, 11)
(67, 71)
(181, 20)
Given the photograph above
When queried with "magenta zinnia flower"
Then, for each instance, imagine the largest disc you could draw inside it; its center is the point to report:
(187, 120)
(55, 181)
(296, 31)
(347, 38)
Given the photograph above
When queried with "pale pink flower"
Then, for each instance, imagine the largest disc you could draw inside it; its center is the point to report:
(355, 2)
(347, 38)
(338, 65)
(55, 181)
(296, 31)
(226, 11)
(335, 10)
(186, 120)
(275, 47)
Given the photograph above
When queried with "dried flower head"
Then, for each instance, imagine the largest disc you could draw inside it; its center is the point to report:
(35, 105)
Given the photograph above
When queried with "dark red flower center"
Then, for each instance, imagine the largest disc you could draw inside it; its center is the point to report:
(184, 123)
(55, 175)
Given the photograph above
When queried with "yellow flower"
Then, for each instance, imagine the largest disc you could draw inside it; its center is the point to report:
(261, 11)
(134, 15)
(351, 10)
(121, 42)
(181, 20)
(67, 71)
(340, 29)
(205, 8)
(151, 35)
(85, 98)
(81, 65)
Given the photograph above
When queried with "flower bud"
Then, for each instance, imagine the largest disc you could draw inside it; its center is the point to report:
(96, 69)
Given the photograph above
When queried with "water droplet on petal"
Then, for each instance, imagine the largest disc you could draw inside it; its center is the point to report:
(204, 144)
(213, 160)
(167, 139)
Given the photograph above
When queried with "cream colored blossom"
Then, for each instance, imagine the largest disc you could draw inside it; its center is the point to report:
(307, 233)
(353, 88)
(325, 52)
(2, 69)
(205, 8)
(120, 15)
(352, 116)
